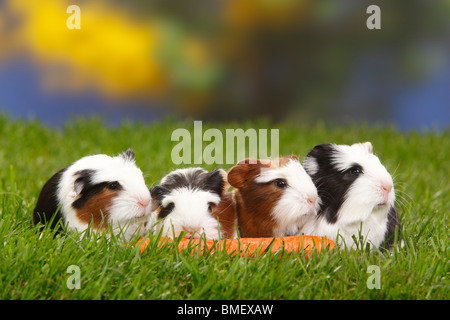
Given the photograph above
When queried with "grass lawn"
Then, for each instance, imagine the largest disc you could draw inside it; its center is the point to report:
(35, 267)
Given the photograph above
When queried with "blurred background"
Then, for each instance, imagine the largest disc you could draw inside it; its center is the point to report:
(300, 61)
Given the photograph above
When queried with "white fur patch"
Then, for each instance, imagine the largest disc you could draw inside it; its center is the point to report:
(190, 214)
(292, 209)
(366, 193)
(310, 165)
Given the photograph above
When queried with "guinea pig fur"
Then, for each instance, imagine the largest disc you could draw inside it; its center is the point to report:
(273, 197)
(96, 189)
(194, 201)
(356, 193)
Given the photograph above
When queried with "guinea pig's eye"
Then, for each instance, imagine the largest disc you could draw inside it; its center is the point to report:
(210, 206)
(113, 185)
(280, 183)
(165, 211)
(356, 171)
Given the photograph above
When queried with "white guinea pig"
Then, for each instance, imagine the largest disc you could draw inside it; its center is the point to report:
(356, 193)
(193, 201)
(96, 189)
(273, 197)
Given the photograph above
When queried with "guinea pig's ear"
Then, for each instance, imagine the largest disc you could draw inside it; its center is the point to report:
(78, 186)
(237, 175)
(368, 146)
(128, 155)
(83, 178)
(158, 192)
(320, 150)
(245, 169)
(216, 180)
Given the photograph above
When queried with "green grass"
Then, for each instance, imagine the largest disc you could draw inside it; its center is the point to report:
(35, 267)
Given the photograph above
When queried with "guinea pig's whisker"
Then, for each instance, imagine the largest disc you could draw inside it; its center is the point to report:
(224, 209)
(395, 170)
(403, 199)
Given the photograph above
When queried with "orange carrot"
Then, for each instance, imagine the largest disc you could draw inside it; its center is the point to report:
(249, 246)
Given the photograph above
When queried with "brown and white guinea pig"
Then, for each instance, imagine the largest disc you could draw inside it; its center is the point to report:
(356, 193)
(194, 201)
(96, 189)
(273, 197)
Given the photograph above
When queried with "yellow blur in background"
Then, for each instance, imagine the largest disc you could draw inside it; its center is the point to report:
(113, 52)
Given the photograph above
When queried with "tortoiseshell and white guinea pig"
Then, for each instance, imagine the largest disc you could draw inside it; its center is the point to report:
(273, 197)
(100, 189)
(356, 193)
(194, 201)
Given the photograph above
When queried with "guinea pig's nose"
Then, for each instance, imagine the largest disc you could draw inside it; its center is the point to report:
(192, 232)
(143, 203)
(312, 199)
(386, 187)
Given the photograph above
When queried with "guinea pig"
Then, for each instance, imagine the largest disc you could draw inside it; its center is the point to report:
(98, 190)
(273, 197)
(356, 193)
(194, 201)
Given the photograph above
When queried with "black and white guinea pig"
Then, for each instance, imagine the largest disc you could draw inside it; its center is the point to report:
(194, 201)
(96, 189)
(273, 197)
(356, 193)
